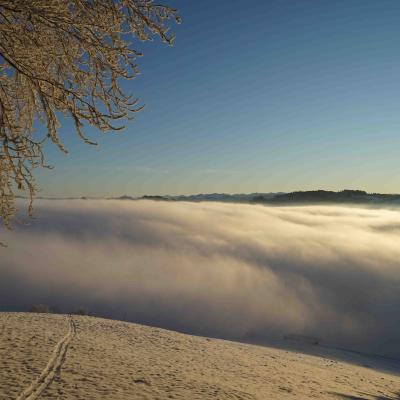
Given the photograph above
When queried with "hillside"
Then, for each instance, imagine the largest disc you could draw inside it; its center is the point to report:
(300, 197)
(92, 358)
(326, 196)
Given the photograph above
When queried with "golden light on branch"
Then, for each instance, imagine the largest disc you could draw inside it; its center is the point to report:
(65, 58)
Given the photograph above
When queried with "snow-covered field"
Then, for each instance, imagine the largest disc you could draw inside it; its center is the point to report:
(58, 357)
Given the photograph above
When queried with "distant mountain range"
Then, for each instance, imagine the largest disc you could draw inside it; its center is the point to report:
(301, 197)
(280, 198)
(221, 197)
(326, 196)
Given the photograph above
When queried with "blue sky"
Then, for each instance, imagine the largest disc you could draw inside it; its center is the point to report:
(253, 97)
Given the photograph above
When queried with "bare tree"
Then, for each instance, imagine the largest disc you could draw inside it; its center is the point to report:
(65, 58)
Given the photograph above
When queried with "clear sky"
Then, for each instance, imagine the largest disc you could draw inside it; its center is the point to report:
(260, 96)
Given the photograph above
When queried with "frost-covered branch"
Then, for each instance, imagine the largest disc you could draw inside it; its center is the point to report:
(65, 57)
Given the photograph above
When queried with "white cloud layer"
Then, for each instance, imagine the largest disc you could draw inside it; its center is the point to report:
(235, 271)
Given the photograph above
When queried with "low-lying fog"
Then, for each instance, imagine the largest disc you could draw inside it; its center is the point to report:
(243, 272)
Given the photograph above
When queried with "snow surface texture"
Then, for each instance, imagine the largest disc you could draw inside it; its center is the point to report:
(244, 272)
(117, 360)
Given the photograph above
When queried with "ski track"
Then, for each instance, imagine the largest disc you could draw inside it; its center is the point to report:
(36, 388)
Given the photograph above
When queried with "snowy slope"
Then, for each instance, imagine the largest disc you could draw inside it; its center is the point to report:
(56, 357)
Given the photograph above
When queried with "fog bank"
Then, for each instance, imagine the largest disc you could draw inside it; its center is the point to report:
(235, 271)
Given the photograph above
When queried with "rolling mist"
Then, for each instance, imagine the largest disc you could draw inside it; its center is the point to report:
(242, 272)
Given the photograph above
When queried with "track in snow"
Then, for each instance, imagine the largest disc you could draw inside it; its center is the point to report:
(53, 366)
